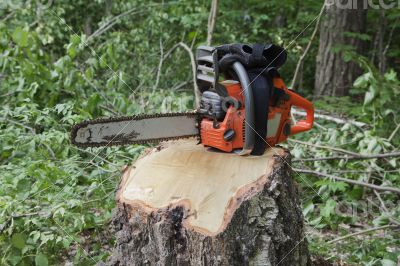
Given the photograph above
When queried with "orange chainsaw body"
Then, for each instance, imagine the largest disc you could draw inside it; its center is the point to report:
(279, 120)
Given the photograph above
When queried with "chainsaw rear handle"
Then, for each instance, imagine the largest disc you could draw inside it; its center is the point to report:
(306, 105)
(249, 132)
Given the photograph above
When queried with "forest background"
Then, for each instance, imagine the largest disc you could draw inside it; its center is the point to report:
(65, 61)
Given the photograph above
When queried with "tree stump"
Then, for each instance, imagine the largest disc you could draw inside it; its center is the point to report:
(182, 204)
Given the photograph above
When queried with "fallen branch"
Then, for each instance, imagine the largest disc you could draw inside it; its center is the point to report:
(363, 232)
(100, 92)
(7, 223)
(7, 17)
(337, 120)
(350, 181)
(384, 209)
(364, 171)
(95, 156)
(32, 130)
(381, 201)
(317, 125)
(352, 157)
(394, 133)
(325, 147)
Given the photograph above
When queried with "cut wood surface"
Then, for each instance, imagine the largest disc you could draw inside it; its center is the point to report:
(182, 204)
(210, 185)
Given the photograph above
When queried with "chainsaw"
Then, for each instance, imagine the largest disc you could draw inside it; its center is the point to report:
(244, 107)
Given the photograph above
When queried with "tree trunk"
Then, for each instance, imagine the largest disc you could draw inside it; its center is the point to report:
(335, 76)
(184, 205)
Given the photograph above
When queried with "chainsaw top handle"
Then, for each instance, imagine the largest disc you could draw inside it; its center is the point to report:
(249, 139)
(307, 123)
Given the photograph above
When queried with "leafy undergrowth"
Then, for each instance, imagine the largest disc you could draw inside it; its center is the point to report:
(55, 199)
(334, 208)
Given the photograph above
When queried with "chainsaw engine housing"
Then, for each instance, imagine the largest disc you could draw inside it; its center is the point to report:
(228, 134)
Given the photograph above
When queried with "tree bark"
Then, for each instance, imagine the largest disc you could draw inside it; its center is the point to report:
(335, 76)
(237, 211)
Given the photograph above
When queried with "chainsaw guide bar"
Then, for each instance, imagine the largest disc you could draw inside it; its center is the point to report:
(137, 129)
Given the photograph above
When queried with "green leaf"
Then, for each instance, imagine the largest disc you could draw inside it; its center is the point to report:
(329, 208)
(89, 73)
(381, 220)
(15, 259)
(369, 96)
(386, 262)
(66, 242)
(391, 75)
(309, 208)
(93, 101)
(41, 260)
(317, 222)
(18, 241)
(191, 35)
(71, 50)
(393, 162)
(23, 184)
(20, 37)
(103, 61)
(372, 144)
(75, 39)
(362, 81)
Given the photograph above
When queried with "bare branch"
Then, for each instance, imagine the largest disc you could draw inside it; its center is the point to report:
(32, 130)
(169, 52)
(193, 40)
(303, 56)
(384, 209)
(107, 108)
(100, 92)
(363, 232)
(390, 37)
(381, 201)
(159, 66)
(353, 157)
(350, 181)
(212, 17)
(324, 147)
(7, 17)
(394, 133)
(192, 60)
(96, 155)
(363, 171)
(111, 22)
(337, 120)
(180, 85)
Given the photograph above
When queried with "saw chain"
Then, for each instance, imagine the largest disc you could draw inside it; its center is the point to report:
(119, 140)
